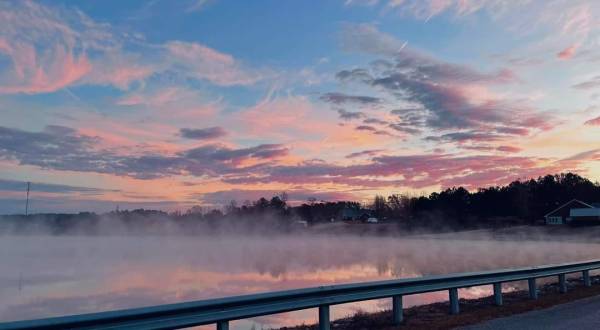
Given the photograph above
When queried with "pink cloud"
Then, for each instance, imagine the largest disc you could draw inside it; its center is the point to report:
(446, 95)
(411, 171)
(286, 118)
(34, 72)
(419, 171)
(509, 149)
(120, 72)
(567, 53)
(593, 122)
(52, 48)
(589, 155)
(125, 75)
(4, 46)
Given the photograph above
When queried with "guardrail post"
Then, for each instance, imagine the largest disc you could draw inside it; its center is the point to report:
(397, 309)
(324, 317)
(533, 294)
(453, 293)
(562, 283)
(498, 294)
(586, 278)
(223, 325)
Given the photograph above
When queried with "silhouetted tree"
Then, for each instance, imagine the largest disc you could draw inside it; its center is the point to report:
(380, 207)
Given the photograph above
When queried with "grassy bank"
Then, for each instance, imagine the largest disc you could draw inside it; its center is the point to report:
(435, 316)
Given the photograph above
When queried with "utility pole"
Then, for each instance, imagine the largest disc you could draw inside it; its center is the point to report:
(27, 201)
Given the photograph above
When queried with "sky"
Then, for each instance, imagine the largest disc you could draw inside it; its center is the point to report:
(168, 104)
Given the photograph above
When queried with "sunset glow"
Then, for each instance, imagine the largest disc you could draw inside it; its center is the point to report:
(166, 105)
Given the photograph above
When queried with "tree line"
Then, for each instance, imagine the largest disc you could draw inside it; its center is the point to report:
(519, 202)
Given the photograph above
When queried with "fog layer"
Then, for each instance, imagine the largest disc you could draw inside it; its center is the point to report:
(56, 275)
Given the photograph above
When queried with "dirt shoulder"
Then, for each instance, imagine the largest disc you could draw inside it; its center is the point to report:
(435, 316)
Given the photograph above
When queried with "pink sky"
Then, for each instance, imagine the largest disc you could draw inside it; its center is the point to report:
(106, 105)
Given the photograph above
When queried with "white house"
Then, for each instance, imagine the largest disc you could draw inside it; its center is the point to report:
(585, 214)
(574, 212)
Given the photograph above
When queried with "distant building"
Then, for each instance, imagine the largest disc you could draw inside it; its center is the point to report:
(574, 212)
(585, 215)
(355, 213)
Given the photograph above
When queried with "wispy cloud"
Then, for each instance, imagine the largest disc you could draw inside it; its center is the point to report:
(593, 122)
(440, 95)
(426, 9)
(414, 171)
(563, 23)
(367, 38)
(509, 149)
(65, 149)
(46, 53)
(386, 109)
(203, 133)
(592, 83)
(202, 62)
(341, 98)
(365, 153)
(157, 97)
(197, 5)
(348, 115)
(20, 186)
(52, 48)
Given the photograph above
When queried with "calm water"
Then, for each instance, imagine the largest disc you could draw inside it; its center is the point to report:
(44, 276)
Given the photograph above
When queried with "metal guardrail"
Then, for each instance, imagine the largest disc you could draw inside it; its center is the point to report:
(221, 311)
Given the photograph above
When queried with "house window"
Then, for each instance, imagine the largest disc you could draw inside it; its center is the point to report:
(554, 220)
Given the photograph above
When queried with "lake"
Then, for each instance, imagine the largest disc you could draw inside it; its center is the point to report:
(43, 276)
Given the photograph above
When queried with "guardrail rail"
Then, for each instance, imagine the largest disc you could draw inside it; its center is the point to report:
(222, 310)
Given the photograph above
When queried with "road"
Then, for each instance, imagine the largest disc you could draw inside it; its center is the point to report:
(582, 314)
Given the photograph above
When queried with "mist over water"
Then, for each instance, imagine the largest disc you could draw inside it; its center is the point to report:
(45, 275)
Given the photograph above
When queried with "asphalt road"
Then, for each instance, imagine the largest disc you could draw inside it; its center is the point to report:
(582, 314)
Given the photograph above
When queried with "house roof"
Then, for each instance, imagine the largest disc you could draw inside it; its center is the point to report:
(567, 203)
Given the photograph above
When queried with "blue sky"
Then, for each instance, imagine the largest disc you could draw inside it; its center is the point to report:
(175, 103)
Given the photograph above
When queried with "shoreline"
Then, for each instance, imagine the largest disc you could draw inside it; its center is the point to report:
(472, 311)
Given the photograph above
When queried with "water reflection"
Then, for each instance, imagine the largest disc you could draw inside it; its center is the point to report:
(49, 276)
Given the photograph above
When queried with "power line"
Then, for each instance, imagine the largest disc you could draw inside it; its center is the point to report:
(27, 201)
